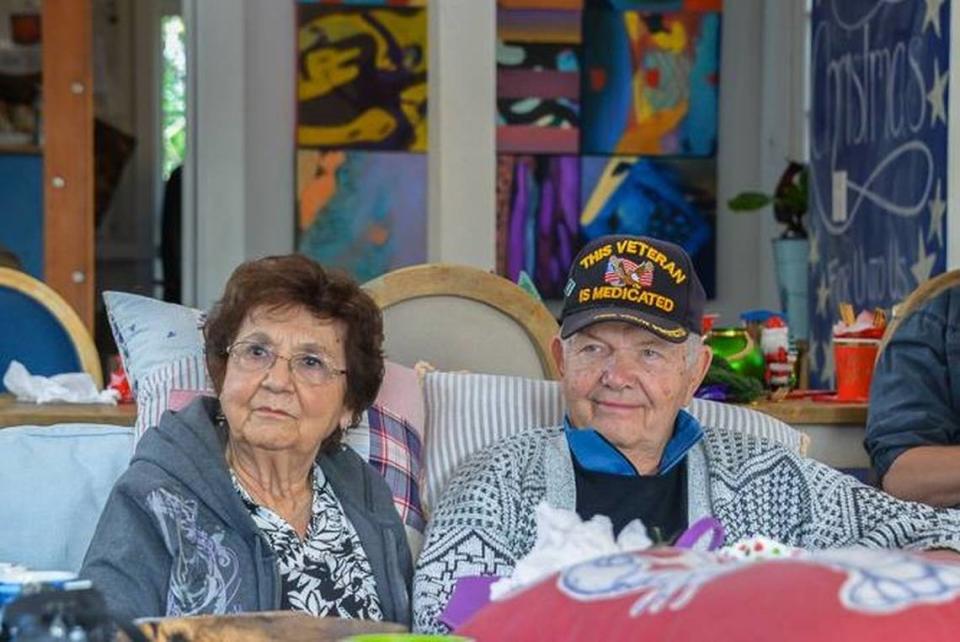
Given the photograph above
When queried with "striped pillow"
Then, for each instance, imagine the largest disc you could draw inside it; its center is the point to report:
(713, 414)
(467, 412)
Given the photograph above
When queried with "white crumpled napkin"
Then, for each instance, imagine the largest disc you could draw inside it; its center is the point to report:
(73, 387)
(563, 540)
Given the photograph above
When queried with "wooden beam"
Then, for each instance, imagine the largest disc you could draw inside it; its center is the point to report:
(68, 153)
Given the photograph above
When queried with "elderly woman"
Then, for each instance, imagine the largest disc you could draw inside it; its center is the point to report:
(248, 501)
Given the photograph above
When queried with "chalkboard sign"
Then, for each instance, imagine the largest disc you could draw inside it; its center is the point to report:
(878, 157)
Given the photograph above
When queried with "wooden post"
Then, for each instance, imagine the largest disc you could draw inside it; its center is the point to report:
(68, 153)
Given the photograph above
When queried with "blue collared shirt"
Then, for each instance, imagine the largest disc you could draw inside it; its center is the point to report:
(594, 452)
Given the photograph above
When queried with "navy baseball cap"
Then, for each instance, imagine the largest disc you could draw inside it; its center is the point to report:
(636, 279)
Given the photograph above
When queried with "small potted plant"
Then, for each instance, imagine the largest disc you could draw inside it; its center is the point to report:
(792, 249)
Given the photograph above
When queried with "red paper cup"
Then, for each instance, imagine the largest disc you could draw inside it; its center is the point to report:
(854, 360)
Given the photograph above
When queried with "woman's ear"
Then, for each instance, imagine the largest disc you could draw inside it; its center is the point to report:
(346, 419)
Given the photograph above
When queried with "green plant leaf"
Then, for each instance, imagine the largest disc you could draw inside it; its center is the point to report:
(749, 201)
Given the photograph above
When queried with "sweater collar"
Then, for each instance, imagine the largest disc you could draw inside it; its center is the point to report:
(593, 452)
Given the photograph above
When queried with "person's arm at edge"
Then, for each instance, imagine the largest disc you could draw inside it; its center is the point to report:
(928, 474)
(912, 424)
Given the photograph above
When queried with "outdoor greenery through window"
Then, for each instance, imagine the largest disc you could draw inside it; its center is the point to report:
(173, 93)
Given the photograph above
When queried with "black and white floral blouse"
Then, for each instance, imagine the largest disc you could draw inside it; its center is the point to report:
(327, 572)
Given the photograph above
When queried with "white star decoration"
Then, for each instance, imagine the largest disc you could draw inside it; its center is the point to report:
(932, 16)
(937, 208)
(823, 296)
(924, 265)
(814, 257)
(938, 108)
(826, 375)
(814, 361)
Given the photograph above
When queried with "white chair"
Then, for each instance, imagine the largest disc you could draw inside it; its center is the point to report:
(461, 318)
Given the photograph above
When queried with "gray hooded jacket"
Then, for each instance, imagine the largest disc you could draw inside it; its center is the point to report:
(176, 539)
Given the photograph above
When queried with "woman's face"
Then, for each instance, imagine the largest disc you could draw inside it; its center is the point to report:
(275, 408)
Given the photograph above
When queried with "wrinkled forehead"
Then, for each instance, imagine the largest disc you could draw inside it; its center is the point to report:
(291, 322)
(621, 333)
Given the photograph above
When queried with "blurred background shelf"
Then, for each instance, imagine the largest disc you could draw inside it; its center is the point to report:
(6, 148)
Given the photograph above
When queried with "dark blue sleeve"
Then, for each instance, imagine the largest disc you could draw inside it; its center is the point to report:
(913, 397)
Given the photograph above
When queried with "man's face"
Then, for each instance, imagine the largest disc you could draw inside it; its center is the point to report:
(628, 384)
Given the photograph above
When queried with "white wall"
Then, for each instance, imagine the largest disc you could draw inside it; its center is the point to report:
(244, 128)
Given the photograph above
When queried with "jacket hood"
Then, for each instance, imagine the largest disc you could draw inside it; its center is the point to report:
(189, 446)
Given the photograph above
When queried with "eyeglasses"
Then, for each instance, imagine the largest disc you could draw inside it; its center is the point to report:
(312, 369)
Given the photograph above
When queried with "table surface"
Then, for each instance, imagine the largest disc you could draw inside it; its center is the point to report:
(254, 627)
(16, 413)
(806, 411)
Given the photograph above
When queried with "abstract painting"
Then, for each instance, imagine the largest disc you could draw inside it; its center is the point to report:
(538, 81)
(362, 77)
(538, 204)
(673, 200)
(656, 5)
(649, 82)
(540, 4)
(371, 3)
(365, 212)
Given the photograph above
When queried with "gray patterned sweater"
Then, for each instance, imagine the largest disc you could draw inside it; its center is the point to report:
(485, 520)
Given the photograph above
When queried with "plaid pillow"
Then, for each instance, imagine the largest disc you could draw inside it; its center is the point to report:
(396, 453)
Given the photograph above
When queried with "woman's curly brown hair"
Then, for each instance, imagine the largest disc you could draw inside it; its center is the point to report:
(290, 281)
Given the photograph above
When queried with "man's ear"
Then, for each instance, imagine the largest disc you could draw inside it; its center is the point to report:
(698, 370)
(556, 348)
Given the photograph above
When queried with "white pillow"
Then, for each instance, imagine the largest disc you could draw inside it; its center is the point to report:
(161, 345)
(467, 412)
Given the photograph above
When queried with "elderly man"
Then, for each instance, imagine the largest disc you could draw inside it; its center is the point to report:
(631, 357)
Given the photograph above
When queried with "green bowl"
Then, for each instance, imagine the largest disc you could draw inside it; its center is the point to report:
(405, 637)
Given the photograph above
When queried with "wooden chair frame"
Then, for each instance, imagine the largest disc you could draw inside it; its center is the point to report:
(441, 279)
(924, 292)
(66, 315)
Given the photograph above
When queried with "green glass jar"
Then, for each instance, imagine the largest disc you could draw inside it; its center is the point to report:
(739, 349)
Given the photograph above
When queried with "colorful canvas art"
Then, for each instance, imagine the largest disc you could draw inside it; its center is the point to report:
(538, 81)
(540, 4)
(649, 82)
(371, 3)
(538, 97)
(670, 199)
(538, 203)
(362, 77)
(656, 5)
(365, 212)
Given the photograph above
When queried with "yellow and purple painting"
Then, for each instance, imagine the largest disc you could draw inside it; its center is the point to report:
(362, 77)
(365, 212)
(649, 81)
(538, 209)
(548, 206)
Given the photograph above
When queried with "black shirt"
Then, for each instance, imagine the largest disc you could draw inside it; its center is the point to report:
(659, 501)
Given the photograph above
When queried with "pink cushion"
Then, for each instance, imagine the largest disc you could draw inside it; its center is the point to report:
(180, 399)
(670, 594)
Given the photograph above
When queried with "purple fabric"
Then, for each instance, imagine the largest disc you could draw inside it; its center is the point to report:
(699, 530)
(470, 595)
(713, 392)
